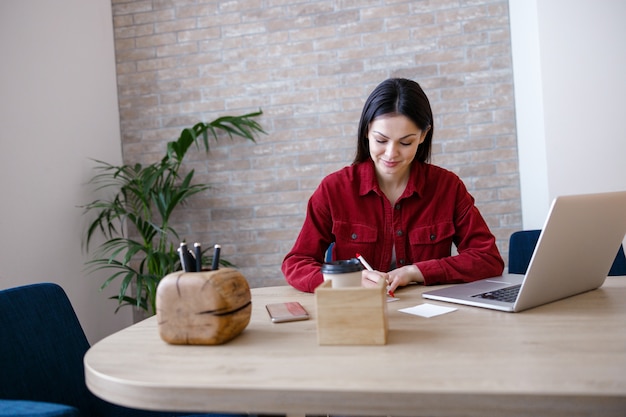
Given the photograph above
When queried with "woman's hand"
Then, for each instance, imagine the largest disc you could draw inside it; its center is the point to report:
(371, 278)
(397, 278)
(404, 276)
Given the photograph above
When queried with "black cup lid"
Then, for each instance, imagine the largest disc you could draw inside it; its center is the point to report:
(342, 266)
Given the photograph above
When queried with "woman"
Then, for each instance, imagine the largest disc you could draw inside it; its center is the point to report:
(393, 207)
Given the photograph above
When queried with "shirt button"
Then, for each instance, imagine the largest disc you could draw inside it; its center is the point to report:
(354, 236)
(433, 237)
(401, 261)
(397, 206)
(399, 233)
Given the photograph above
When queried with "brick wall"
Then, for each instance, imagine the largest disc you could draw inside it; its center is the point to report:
(309, 65)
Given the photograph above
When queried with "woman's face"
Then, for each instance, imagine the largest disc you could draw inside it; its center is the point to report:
(393, 141)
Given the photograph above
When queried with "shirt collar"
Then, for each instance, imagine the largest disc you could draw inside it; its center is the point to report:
(416, 184)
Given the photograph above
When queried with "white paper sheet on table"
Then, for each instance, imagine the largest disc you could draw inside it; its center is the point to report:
(427, 310)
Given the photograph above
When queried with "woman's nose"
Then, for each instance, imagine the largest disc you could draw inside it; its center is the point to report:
(390, 150)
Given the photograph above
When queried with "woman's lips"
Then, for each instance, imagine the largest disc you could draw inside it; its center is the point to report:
(390, 164)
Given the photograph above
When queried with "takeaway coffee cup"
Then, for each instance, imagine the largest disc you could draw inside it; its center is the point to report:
(344, 273)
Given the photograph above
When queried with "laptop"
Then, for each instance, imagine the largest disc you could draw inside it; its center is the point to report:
(574, 254)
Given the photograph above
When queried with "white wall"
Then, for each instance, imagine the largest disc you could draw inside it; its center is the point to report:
(584, 69)
(569, 64)
(58, 108)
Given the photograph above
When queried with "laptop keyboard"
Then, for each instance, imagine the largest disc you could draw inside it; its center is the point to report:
(507, 295)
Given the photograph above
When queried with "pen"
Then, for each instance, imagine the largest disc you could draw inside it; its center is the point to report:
(189, 261)
(185, 258)
(369, 268)
(216, 257)
(364, 262)
(197, 247)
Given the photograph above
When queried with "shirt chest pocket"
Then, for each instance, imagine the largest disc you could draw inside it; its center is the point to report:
(432, 235)
(354, 233)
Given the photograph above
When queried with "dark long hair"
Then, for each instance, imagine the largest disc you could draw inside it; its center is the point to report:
(396, 96)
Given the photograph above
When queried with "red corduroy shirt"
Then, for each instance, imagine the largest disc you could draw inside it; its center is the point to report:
(435, 212)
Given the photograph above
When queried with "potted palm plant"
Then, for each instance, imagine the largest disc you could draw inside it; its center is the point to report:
(140, 245)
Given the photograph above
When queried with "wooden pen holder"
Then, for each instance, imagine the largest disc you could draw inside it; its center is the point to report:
(351, 315)
(203, 308)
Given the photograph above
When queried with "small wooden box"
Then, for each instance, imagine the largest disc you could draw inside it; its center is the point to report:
(351, 316)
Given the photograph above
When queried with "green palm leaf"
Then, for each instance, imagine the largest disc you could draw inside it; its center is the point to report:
(142, 201)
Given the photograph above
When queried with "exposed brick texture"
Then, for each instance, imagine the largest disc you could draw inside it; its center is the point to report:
(309, 65)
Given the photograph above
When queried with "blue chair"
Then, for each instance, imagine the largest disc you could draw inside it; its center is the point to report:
(42, 345)
(522, 245)
(328, 255)
(21, 408)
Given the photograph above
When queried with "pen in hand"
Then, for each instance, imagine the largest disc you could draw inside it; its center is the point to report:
(216, 257)
(364, 262)
(369, 268)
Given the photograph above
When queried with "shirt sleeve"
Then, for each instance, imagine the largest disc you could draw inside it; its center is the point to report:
(302, 265)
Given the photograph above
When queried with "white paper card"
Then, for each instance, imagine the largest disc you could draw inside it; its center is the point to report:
(427, 310)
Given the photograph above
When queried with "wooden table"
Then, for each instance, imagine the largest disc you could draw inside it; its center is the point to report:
(567, 358)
